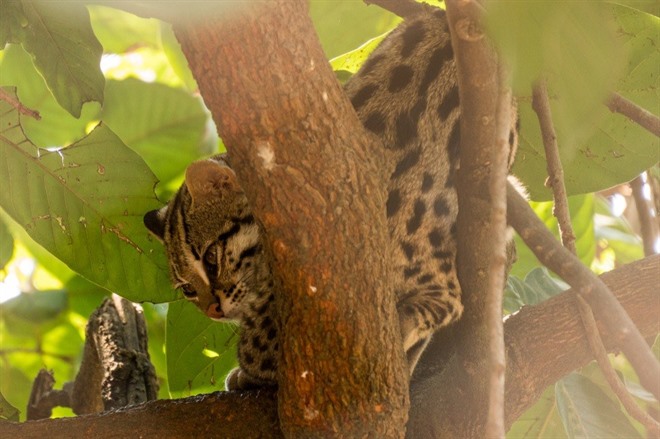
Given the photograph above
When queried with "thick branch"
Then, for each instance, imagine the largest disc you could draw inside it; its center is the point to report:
(605, 306)
(485, 125)
(648, 226)
(295, 144)
(532, 366)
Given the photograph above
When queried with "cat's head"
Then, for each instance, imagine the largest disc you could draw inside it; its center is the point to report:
(212, 242)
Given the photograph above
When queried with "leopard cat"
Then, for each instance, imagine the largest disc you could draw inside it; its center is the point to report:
(406, 94)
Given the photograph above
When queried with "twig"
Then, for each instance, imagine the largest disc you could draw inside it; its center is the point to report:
(486, 122)
(648, 227)
(541, 105)
(14, 102)
(597, 347)
(618, 104)
(402, 8)
(593, 290)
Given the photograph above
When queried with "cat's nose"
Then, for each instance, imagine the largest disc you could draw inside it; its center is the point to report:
(214, 311)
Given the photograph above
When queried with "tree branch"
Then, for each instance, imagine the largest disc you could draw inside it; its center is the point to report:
(541, 105)
(486, 120)
(648, 227)
(618, 104)
(569, 268)
(532, 366)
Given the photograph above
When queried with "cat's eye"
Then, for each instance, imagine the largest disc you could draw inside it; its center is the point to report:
(211, 256)
(188, 291)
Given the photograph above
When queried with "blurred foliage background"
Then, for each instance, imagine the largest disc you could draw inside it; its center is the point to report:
(121, 118)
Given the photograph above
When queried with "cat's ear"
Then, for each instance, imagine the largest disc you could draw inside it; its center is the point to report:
(208, 179)
(155, 222)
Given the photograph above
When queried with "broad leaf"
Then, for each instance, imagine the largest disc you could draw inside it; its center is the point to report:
(120, 31)
(587, 412)
(56, 126)
(200, 352)
(7, 411)
(537, 287)
(65, 51)
(84, 204)
(12, 20)
(168, 127)
(539, 421)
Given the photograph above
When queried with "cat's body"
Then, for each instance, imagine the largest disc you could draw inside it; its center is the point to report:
(406, 94)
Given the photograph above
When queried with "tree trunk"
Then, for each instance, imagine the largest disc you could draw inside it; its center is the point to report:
(314, 181)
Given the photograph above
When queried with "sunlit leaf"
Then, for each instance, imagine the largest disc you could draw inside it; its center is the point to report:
(56, 126)
(353, 60)
(189, 335)
(168, 127)
(120, 31)
(35, 307)
(537, 287)
(177, 59)
(587, 412)
(85, 205)
(65, 51)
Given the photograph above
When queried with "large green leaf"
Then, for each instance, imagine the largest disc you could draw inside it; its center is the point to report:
(84, 204)
(66, 52)
(7, 411)
(537, 287)
(168, 127)
(586, 51)
(56, 126)
(200, 352)
(587, 412)
(120, 31)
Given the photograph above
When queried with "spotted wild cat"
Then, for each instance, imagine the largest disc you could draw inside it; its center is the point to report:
(406, 93)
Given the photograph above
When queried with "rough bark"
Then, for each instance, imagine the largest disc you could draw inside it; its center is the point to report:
(304, 159)
(115, 370)
(543, 343)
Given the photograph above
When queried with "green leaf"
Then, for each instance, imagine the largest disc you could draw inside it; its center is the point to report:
(537, 287)
(65, 51)
(200, 352)
(585, 52)
(356, 21)
(175, 56)
(539, 421)
(12, 20)
(353, 60)
(56, 126)
(7, 411)
(35, 307)
(6, 245)
(587, 412)
(119, 31)
(85, 204)
(168, 127)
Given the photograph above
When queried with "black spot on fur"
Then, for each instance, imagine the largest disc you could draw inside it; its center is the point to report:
(449, 102)
(436, 61)
(375, 122)
(440, 206)
(272, 333)
(412, 36)
(400, 77)
(442, 255)
(249, 359)
(424, 279)
(416, 220)
(406, 129)
(266, 323)
(267, 365)
(393, 202)
(409, 272)
(435, 237)
(363, 95)
(406, 163)
(408, 250)
(427, 182)
(446, 266)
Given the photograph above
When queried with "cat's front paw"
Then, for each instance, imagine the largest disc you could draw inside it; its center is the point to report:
(238, 379)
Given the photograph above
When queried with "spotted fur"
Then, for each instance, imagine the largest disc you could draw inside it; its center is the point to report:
(406, 94)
